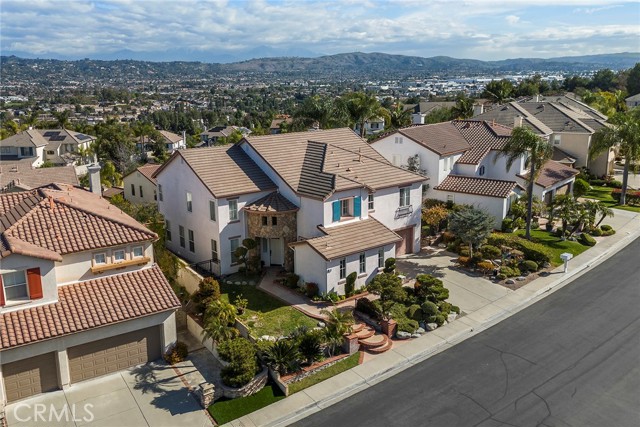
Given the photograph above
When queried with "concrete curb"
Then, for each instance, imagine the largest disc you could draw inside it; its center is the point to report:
(396, 360)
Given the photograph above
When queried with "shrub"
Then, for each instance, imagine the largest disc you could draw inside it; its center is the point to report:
(529, 265)
(430, 288)
(507, 225)
(407, 325)
(243, 364)
(580, 187)
(455, 309)
(502, 276)
(415, 312)
(370, 308)
(614, 183)
(291, 280)
(445, 308)
(533, 251)
(632, 198)
(464, 260)
(310, 347)
(429, 309)
(453, 247)
(519, 223)
(485, 266)
(609, 232)
(587, 240)
(389, 265)
(448, 237)
(464, 252)
(597, 181)
(438, 319)
(490, 252)
(176, 354)
(510, 271)
(595, 232)
(606, 227)
(311, 289)
(350, 286)
(208, 291)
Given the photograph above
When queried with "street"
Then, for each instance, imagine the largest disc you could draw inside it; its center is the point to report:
(572, 359)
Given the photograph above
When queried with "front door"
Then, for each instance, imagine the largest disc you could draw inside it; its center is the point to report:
(277, 251)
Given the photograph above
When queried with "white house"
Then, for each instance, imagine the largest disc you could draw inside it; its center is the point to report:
(140, 185)
(172, 142)
(76, 301)
(371, 127)
(320, 203)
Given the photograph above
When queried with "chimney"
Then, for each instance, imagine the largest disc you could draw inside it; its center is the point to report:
(478, 109)
(184, 138)
(517, 121)
(94, 178)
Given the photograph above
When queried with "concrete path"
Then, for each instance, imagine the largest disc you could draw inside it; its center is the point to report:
(399, 358)
(150, 395)
(289, 296)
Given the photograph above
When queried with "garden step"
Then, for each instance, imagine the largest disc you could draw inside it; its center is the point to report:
(357, 328)
(373, 342)
(382, 349)
(365, 333)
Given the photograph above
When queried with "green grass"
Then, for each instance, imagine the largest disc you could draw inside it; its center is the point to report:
(265, 314)
(333, 370)
(604, 195)
(225, 410)
(555, 244)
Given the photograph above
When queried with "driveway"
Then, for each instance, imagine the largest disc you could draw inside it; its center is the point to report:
(148, 395)
(468, 292)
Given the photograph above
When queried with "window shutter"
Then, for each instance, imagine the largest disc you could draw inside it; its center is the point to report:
(357, 201)
(1, 293)
(35, 283)
(336, 210)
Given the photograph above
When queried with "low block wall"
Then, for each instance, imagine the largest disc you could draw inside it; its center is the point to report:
(188, 277)
(195, 329)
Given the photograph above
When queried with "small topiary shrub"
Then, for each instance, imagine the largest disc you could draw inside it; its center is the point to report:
(519, 223)
(455, 309)
(429, 309)
(587, 240)
(580, 187)
(311, 289)
(464, 253)
(529, 265)
(370, 308)
(606, 227)
(507, 225)
(609, 232)
(445, 308)
(291, 280)
(415, 312)
(350, 286)
(595, 232)
(208, 291)
(510, 271)
(389, 266)
(407, 325)
(502, 276)
(490, 252)
(485, 266)
(176, 354)
(464, 260)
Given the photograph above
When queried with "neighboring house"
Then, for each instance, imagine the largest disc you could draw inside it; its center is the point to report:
(60, 147)
(569, 127)
(111, 192)
(19, 175)
(140, 186)
(80, 295)
(420, 111)
(320, 203)
(371, 127)
(463, 160)
(275, 127)
(553, 179)
(172, 142)
(633, 101)
(213, 135)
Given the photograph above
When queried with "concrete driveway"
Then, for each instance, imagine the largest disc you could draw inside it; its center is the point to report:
(468, 292)
(148, 395)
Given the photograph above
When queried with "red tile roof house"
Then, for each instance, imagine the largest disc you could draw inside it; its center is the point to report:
(321, 203)
(80, 295)
(463, 160)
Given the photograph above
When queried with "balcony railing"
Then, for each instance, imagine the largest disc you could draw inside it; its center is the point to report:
(207, 267)
(404, 211)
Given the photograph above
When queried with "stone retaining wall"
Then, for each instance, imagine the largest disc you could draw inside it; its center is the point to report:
(254, 386)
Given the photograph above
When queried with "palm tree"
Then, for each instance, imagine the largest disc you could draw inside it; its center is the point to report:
(217, 331)
(319, 109)
(524, 142)
(282, 356)
(223, 311)
(603, 211)
(338, 322)
(361, 108)
(623, 133)
(463, 108)
(565, 207)
(399, 116)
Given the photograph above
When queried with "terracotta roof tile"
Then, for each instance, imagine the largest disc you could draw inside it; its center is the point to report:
(478, 186)
(441, 138)
(272, 202)
(482, 137)
(148, 171)
(88, 305)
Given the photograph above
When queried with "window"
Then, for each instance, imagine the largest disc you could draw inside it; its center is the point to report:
(26, 151)
(343, 268)
(214, 249)
(138, 252)
(274, 220)
(233, 210)
(345, 208)
(155, 195)
(51, 152)
(398, 140)
(449, 198)
(265, 220)
(167, 229)
(189, 202)
(99, 259)
(118, 256)
(405, 196)
(370, 202)
(380, 257)
(192, 243)
(159, 192)
(444, 163)
(396, 159)
(141, 195)
(181, 234)
(212, 210)
(363, 263)
(15, 285)
(556, 139)
(233, 245)
(481, 171)
(133, 190)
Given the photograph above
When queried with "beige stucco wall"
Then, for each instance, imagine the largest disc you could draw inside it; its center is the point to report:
(17, 262)
(138, 180)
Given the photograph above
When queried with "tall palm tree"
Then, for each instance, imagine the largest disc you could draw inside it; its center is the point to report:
(361, 108)
(524, 142)
(463, 108)
(623, 133)
(400, 117)
(321, 109)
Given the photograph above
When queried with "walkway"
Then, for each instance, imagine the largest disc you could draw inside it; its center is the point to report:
(289, 296)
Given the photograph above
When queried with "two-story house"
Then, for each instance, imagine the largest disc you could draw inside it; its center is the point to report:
(298, 194)
(172, 142)
(140, 186)
(80, 295)
(465, 164)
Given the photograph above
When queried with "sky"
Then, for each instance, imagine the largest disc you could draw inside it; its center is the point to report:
(229, 30)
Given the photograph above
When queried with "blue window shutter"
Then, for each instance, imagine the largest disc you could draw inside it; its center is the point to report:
(336, 210)
(357, 201)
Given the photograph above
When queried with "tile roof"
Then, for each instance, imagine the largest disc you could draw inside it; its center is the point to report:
(90, 304)
(441, 138)
(147, 171)
(318, 163)
(112, 191)
(478, 186)
(553, 172)
(26, 138)
(350, 238)
(59, 219)
(170, 136)
(482, 137)
(20, 175)
(562, 156)
(272, 202)
(225, 170)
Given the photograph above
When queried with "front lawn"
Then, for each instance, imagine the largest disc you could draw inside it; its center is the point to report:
(604, 195)
(554, 244)
(265, 314)
(225, 410)
(333, 370)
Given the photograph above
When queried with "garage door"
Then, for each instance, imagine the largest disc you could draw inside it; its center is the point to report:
(31, 376)
(406, 245)
(113, 354)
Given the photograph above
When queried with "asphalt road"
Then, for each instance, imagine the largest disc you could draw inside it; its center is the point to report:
(572, 359)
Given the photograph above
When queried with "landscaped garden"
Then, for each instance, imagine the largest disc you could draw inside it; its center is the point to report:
(606, 196)
(333, 370)
(225, 410)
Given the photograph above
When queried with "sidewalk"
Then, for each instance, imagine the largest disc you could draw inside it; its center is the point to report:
(399, 358)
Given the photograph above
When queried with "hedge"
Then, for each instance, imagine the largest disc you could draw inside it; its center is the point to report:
(587, 240)
(633, 197)
(533, 251)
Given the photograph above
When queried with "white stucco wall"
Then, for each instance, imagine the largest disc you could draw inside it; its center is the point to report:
(310, 266)
(496, 207)
(138, 180)
(15, 262)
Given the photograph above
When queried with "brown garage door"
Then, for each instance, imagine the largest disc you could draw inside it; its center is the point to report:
(406, 245)
(113, 354)
(31, 376)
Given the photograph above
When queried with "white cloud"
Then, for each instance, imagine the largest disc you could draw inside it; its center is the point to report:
(512, 19)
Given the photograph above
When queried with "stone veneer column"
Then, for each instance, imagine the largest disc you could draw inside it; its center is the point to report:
(62, 362)
(3, 395)
(286, 229)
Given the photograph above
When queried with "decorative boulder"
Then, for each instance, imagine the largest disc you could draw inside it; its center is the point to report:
(520, 278)
(401, 335)
(321, 324)
(451, 317)
(420, 330)
(432, 326)
(422, 324)
(415, 335)
(510, 282)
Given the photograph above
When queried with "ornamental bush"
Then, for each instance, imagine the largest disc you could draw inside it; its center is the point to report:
(606, 227)
(429, 309)
(311, 289)
(529, 265)
(407, 325)
(490, 252)
(350, 286)
(587, 240)
(595, 232)
(368, 307)
(415, 312)
(243, 363)
(533, 251)
(510, 271)
(580, 187)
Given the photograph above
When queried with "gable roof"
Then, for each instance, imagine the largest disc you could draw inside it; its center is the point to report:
(55, 137)
(26, 138)
(147, 171)
(88, 305)
(442, 138)
(553, 172)
(318, 163)
(173, 138)
(19, 174)
(225, 170)
(482, 137)
(272, 202)
(350, 238)
(60, 219)
(478, 186)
